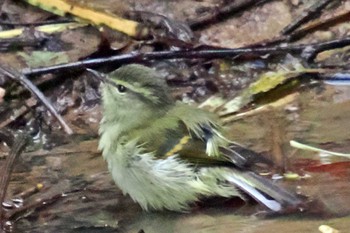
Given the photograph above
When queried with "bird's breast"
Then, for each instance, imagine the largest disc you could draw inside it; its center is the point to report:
(153, 183)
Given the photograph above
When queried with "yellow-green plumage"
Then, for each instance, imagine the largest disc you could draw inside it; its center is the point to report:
(166, 154)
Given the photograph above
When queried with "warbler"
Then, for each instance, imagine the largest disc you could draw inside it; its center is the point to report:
(168, 155)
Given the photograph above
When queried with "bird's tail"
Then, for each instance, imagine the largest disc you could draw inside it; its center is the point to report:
(264, 190)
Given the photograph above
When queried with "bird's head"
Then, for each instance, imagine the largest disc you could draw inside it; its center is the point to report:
(134, 92)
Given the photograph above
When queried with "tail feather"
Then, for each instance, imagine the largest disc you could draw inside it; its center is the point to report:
(243, 157)
(264, 191)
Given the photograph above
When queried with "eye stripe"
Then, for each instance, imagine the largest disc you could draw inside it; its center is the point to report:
(142, 91)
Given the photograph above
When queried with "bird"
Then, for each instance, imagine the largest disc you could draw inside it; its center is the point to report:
(168, 155)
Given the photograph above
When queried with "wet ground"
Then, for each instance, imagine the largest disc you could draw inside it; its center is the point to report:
(66, 186)
(92, 203)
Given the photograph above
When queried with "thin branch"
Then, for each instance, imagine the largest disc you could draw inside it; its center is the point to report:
(318, 24)
(18, 146)
(228, 9)
(36, 92)
(22, 212)
(11, 43)
(306, 16)
(19, 112)
(56, 21)
(311, 52)
(307, 51)
(308, 28)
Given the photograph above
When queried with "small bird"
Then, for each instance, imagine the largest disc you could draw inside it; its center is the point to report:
(168, 155)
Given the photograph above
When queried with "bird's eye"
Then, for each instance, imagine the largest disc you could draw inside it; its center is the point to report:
(121, 88)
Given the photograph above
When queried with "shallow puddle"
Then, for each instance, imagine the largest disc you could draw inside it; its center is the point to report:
(92, 203)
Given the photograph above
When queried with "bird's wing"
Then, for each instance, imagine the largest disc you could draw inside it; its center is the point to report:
(197, 147)
(195, 136)
(206, 136)
(198, 141)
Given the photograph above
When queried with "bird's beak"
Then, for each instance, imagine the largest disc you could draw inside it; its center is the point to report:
(97, 75)
(101, 77)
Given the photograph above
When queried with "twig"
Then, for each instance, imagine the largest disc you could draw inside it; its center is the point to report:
(23, 211)
(36, 92)
(308, 52)
(308, 28)
(18, 146)
(223, 12)
(29, 192)
(19, 112)
(11, 43)
(341, 17)
(306, 16)
(7, 23)
(308, 147)
(39, 203)
(311, 52)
